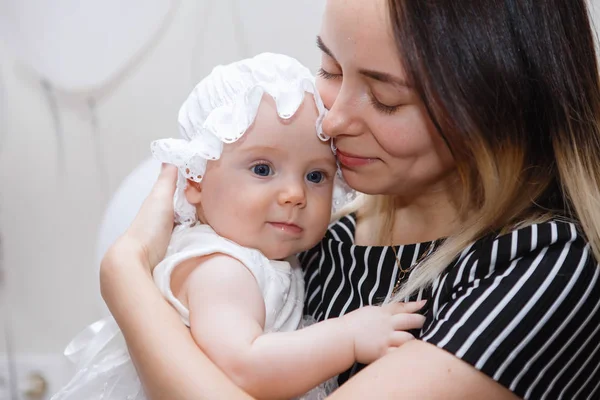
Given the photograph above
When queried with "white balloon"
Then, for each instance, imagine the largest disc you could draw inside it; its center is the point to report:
(81, 45)
(124, 205)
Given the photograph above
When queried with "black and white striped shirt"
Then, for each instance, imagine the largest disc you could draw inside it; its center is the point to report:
(523, 308)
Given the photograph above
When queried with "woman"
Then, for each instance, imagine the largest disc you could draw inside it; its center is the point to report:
(473, 125)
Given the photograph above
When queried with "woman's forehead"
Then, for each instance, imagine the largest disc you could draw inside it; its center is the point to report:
(358, 19)
(358, 33)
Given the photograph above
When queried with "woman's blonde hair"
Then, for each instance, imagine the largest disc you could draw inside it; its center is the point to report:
(513, 89)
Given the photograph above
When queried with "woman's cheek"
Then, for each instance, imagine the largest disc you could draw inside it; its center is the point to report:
(328, 91)
(405, 134)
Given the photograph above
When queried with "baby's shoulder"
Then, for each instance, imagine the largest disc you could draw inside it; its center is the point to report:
(201, 240)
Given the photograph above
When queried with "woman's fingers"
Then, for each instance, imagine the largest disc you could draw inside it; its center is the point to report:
(159, 202)
(166, 181)
(152, 227)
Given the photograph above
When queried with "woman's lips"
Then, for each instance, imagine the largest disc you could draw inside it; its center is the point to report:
(351, 160)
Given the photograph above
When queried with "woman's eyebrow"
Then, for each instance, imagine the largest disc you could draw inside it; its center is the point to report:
(378, 76)
(385, 78)
(324, 48)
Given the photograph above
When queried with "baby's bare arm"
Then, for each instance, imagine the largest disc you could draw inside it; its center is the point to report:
(227, 318)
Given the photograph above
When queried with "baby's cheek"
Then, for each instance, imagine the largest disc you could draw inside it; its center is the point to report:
(322, 215)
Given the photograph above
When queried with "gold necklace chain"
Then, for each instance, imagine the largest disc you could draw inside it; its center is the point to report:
(403, 271)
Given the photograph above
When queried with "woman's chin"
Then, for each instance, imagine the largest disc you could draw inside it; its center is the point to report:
(363, 182)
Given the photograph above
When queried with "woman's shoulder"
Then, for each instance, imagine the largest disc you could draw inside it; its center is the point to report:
(522, 307)
(560, 238)
(554, 252)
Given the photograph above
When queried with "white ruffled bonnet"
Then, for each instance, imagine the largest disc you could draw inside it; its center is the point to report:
(223, 106)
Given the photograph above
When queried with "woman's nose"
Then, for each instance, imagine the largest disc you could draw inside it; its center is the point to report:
(344, 116)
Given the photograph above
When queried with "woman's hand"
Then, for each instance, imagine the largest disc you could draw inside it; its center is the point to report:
(168, 360)
(149, 234)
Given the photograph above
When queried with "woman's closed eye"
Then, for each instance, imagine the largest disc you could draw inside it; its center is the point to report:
(327, 75)
(262, 169)
(384, 108)
(387, 98)
(378, 105)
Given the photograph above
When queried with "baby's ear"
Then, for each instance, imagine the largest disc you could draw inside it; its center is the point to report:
(193, 192)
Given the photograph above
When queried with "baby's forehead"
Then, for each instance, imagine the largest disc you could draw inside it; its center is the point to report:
(291, 138)
(268, 116)
(295, 137)
(269, 126)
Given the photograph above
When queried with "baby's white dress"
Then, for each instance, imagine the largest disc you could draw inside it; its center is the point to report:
(104, 368)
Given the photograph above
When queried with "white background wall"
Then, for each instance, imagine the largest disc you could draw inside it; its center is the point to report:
(48, 220)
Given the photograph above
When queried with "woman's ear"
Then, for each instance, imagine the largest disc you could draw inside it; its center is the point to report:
(193, 192)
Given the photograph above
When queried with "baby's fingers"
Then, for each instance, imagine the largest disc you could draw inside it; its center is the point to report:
(391, 350)
(398, 338)
(410, 307)
(406, 322)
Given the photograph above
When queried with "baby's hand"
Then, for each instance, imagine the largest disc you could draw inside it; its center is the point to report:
(379, 330)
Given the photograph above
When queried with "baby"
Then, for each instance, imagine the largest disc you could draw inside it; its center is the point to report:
(257, 178)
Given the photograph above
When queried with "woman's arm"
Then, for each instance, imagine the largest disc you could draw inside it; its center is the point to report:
(170, 364)
(419, 370)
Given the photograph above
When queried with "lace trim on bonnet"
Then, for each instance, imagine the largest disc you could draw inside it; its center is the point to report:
(223, 106)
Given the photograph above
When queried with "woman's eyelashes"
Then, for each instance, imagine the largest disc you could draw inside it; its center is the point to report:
(379, 106)
(383, 108)
(327, 75)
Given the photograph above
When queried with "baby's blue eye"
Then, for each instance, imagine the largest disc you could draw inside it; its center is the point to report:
(315, 177)
(261, 170)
